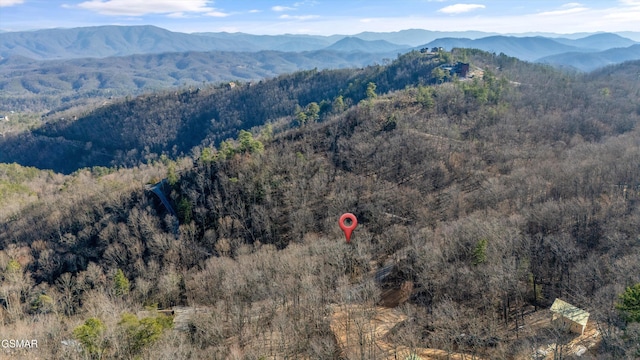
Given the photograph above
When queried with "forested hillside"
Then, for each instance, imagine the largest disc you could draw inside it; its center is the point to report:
(128, 131)
(105, 41)
(30, 85)
(593, 61)
(45, 70)
(479, 202)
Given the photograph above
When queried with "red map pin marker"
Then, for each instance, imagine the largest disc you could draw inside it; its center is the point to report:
(348, 229)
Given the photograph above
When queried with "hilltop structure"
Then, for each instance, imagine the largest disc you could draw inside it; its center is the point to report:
(569, 317)
(461, 69)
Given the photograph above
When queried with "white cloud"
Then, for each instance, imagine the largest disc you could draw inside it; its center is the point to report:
(566, 9)
(177, 15)
(4, 3)
(182, 15)
(630, 17)
(630, 2)
(295, 6)
(144, 7)
(628, 12)
(216, 13)
(306, 2)
(460, 8)
(298, 17)
(282, 8)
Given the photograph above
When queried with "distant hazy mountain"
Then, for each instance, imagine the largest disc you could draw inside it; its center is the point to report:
(525, 48)
(551, 35)
(448, 43)
(285, 42)
(354, 44)
(633, 35)
(118, 41)
(104, 41)
(22, 79)
(415, 37)
(592, 61)
(600, 42)
(107, 41)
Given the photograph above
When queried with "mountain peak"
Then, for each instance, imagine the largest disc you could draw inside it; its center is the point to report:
(355, 44)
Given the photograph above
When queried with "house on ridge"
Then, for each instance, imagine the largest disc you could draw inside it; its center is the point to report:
(569, 317)
(461, 69)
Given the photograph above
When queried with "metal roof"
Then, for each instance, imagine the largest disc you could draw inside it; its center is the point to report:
(570, 312)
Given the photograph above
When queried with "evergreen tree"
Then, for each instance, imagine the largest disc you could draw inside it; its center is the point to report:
(338, 105)
(313, 111)
(629, 305)
(371, 91)
(120, 283)
(91, 336)
(480, 252)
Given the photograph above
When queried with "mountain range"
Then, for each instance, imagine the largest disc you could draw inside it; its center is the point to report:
(182, 119)
(108, 41)
(44, 67)
(593, 60)
(39, 85)
(535, 48)
(104, 41)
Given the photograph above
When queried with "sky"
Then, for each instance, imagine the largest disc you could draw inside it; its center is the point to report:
(327, 17)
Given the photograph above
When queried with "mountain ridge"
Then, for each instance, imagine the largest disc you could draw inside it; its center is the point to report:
(526, 48)
(591, 61)
(602, 41)
(105, 41)
(181, 119)
(355, 44)
(22, 79)
(112, 40)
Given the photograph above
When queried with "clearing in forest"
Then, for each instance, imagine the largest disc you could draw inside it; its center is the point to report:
(360, 331)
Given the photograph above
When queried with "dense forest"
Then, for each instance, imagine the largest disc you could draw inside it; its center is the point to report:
(479, 201)
(27, 84)
(129, 130)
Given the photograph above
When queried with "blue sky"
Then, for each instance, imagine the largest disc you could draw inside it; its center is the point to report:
(327, 17)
